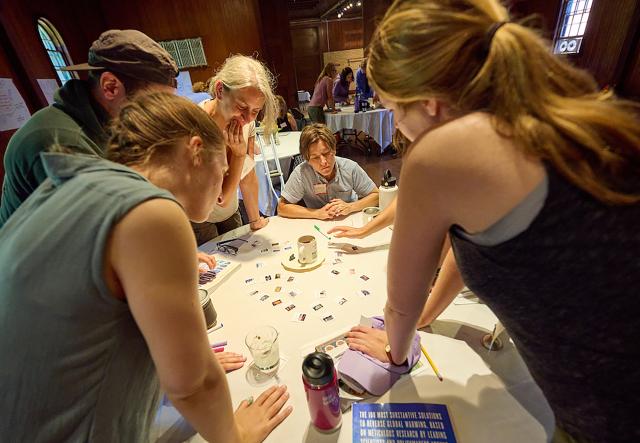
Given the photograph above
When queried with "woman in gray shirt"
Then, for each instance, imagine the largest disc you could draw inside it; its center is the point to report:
(99, 290)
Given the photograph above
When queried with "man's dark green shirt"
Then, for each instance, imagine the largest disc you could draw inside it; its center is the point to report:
(75, 121)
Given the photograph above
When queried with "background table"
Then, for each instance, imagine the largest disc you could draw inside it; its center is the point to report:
(378, 123)
(491, 396)
(288, 148)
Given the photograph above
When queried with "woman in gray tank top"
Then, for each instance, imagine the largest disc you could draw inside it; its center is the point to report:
(535, 174)
(99, 290)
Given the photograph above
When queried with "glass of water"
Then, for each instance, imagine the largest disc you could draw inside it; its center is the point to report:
(263, 345)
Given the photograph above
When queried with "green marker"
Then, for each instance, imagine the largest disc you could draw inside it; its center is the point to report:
(318, 229)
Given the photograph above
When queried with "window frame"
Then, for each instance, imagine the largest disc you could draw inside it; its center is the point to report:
(57, 54)
(565, 41)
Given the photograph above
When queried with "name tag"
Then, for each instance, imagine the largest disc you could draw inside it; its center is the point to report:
(320, 188)
(283, 125)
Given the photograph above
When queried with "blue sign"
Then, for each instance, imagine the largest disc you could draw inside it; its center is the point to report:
(402, 422)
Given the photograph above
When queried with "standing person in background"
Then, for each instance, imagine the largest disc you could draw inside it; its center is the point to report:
(120, 321)
(322, 94)
(535, 176)
(362, 84)
(285, 121)
(121, 64)
(341, 86)
(240, 89)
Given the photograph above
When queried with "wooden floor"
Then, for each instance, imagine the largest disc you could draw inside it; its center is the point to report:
(373, 164)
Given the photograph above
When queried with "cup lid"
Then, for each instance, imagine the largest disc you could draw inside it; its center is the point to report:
(203, 295)
(317, 368)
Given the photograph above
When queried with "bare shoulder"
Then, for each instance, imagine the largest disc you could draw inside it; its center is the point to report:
(155, 229)
(472, 164)
(153, 235)
(154, 216)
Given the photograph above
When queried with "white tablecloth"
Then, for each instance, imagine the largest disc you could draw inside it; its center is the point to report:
(491, 396)
(289, 146)
(378, 123)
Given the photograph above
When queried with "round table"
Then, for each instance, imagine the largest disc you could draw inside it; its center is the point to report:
(490, 396)
(378, 123)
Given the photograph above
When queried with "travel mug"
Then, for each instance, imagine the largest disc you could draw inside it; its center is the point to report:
(321, 388)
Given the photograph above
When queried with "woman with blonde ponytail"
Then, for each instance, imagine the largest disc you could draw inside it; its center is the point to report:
(536, 177)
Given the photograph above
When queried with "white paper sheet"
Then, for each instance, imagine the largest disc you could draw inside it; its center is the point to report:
(48, 86)
(13, 110)
(184, 83)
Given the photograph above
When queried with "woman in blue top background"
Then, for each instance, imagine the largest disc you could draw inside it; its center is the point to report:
(362, 84)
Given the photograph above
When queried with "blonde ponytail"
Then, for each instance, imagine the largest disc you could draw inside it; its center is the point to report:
(444, 49)
(155, 123)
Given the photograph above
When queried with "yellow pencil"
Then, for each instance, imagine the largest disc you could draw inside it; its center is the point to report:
(433, 365)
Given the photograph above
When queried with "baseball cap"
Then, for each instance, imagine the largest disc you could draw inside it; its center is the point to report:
(132, 53)
(370, 373)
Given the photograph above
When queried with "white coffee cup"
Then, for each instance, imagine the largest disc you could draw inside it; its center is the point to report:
(369, 214)
(307, 249)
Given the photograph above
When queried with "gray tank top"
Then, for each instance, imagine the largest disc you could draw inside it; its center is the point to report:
(75, 367)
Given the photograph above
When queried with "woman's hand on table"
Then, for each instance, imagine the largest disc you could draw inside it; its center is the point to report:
(347, 232)
(368, 340)
(207, 259)
(230, 361)
(234, 138)
(256, 419)
(259, 223)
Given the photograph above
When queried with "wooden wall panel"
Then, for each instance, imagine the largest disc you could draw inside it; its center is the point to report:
(606, 43)
(226, 26)
(79, 24)
(345, 34)
(630, 84)
(544, 13)
(278, 47)
(312, 38)
(372, 13)
(308, 43)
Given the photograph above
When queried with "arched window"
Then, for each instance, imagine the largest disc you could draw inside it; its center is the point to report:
(56, 49)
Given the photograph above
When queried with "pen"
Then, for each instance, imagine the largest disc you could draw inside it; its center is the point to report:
(318, 229)
(433, 365)
(219, 349)
(219, 344)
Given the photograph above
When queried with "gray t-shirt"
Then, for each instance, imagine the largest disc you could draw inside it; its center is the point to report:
(351, 183)
(75, 366)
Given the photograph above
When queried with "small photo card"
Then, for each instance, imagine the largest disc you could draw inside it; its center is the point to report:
(328, 318)
(298, 317)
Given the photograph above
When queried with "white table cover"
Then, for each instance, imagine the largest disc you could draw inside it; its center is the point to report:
(378, 123)
(491, 396)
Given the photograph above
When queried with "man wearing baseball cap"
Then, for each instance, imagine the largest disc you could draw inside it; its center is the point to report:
(121, 63)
